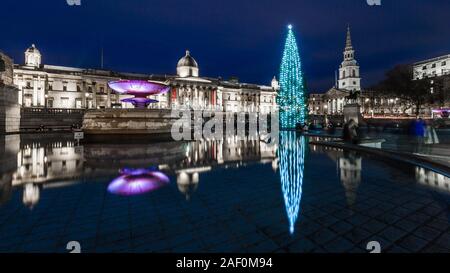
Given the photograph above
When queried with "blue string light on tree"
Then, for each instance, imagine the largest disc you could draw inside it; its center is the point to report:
(291, 98)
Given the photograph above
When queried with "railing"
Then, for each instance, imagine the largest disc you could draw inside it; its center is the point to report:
(54, 111)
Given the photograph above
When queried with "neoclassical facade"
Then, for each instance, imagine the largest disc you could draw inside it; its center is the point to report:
(52, 86)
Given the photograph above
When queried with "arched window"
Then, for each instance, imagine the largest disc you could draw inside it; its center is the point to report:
(354, 73)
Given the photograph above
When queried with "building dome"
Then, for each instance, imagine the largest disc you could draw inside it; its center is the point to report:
(187, 60)
(187, 66)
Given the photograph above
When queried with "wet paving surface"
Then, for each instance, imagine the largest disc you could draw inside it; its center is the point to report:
(223, 196)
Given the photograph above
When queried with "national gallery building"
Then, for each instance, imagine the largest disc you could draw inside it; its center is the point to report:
(51, 86)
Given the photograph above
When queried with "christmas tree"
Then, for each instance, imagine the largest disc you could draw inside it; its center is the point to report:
(292, 95)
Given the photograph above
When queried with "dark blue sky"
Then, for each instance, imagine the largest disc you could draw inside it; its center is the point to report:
(242, 38)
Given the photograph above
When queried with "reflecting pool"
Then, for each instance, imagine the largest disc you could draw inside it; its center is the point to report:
(232, 195)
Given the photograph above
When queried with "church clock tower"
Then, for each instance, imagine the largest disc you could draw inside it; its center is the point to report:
(349, 77)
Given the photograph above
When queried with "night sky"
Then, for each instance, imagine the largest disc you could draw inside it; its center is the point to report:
(240, 38)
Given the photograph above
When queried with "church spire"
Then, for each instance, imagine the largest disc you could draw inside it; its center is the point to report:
(349, 78)
(348, 43)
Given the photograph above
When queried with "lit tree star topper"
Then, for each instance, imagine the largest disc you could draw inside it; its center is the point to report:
(291, 98)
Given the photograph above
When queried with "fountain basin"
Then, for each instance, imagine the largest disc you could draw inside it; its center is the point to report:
(140, 89)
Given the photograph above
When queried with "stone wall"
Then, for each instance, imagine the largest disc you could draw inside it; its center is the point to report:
(9, 98)
(9, 109)
(128, 121)
(6, 69)
(50, 118)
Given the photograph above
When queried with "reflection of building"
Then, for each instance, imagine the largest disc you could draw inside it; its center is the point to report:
(36, 163)
(187, 180)
(432, 179)
(9, 147)
(53, 86)
(291, 158)
(57, 162)
(231, 152)
(350, 166)
(31, 194)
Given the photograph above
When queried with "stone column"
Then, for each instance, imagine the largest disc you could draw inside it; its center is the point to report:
(83, 95)
(108, 96)
(352, 111)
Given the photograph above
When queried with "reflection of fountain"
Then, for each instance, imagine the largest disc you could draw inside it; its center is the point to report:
(291, 154)
(137, 181)
(350, 172)
(140, 89)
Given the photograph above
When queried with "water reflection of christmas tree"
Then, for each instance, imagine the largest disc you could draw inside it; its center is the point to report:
(291, 155)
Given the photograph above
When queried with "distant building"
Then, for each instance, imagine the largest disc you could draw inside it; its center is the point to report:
(434, 67)
(349, 79)
(437, 70)
(51, 86)
(316, 103)
(373, 104)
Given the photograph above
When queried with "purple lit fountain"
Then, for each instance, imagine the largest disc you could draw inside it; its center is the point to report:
(137, 181)
(140, 89)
